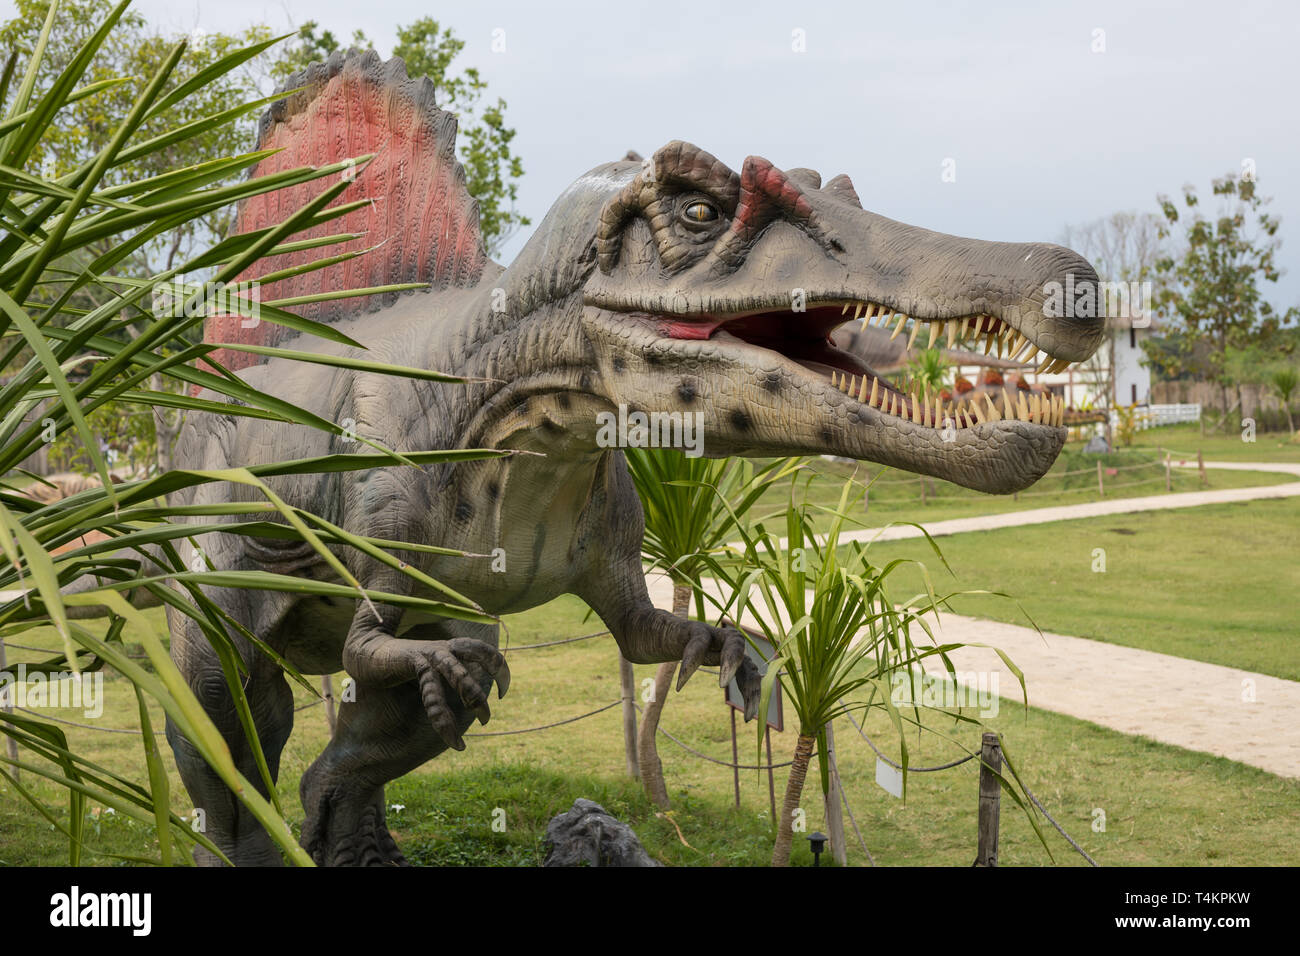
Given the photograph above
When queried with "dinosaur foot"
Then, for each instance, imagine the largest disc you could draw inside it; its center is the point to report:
(341, 833)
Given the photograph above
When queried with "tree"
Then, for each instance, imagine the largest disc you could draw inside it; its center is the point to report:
(1211, 293)
(492, 171)
(692, 506)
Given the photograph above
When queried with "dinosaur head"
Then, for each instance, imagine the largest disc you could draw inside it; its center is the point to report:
(717, 292)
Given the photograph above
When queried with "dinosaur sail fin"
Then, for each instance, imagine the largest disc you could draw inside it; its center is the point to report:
(421, 225)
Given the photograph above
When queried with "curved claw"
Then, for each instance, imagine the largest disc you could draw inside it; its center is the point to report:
(733, 655)
(503, 679)
(484, 714)
(692, 658)
(751, 688)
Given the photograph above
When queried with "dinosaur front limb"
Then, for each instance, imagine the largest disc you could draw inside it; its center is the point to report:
(649, 635)
(444, 670)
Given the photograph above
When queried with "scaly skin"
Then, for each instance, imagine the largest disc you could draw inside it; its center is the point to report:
(641, 288)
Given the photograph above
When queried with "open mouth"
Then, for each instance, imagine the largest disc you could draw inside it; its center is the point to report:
(807, 342)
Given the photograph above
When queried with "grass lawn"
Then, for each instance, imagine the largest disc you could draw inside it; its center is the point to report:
(896, 495)
(1217, 446)
(1216, 583)
(1162, 805)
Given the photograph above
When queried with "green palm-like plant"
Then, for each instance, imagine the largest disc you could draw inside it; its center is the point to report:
(929, 370)
(825, 609)
(130, 540)
(692, 506)
(1284, 382)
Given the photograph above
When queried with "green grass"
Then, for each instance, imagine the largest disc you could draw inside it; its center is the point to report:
(1163, 805)
(1217, 446)
(896, 495)
(1216, 583)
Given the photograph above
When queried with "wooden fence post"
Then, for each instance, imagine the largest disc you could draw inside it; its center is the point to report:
(1101, 488)
(627, 683)
(1169, 473)
(834, 811)
(1200, 466)
(990, 791)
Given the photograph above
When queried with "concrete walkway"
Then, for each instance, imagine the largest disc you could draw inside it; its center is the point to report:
(1241, 715)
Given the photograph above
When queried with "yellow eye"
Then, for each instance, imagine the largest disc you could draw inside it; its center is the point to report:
(700, 211)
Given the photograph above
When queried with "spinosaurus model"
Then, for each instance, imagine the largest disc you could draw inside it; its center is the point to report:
(674, 284)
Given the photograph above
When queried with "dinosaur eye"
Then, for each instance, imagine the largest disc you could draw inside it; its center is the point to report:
(699, 211)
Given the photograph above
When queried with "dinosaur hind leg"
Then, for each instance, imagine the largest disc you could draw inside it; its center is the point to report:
(227, 822)
(381, 735)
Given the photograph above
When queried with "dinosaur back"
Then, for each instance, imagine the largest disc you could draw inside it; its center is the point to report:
(420, 217)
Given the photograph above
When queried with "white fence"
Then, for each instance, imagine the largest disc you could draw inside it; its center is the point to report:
(1150, 416)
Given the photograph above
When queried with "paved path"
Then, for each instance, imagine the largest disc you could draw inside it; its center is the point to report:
(1241, 715)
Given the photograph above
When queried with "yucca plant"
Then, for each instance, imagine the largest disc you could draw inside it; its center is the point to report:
(131, 540)
(825, 609)
(693, 507)
(1283, 382)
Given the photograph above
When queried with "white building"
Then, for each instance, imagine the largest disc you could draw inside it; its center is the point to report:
(1118, 364)
(1132, 378)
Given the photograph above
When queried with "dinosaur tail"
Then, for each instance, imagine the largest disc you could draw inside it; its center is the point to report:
(421, 224)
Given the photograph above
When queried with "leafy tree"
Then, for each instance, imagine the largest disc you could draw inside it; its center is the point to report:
(492, 171)
(1210, 293)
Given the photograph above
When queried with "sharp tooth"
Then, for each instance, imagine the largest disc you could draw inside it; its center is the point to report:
(952, 333)
(965, 324)
(994, 414)
(875, 390)
(979, 413)
(935, 327)
(911, 339)
(853, 380)
(1021, 408)
(893, 404)
(938, 410)
(988, 342)
(1060, 410)
(862, 392)
(846, 308)
(1033, 351)
(898, 328)
(869, 312)
(857, 311)
(916, 408)
(835, 379)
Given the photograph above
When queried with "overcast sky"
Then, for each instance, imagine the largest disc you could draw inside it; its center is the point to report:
(1043, 130)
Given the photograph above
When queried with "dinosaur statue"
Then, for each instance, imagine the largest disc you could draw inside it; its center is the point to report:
(673, 284)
